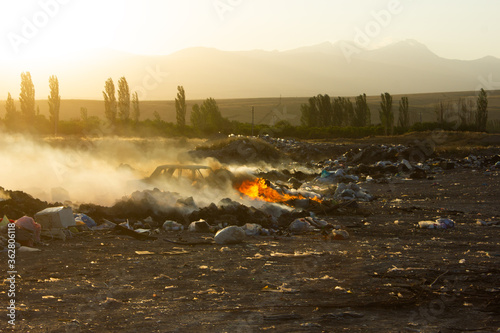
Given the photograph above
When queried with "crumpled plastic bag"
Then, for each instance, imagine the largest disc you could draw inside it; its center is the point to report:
(27, 223)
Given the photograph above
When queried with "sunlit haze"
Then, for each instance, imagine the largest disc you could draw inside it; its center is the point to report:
(452, 29)
(42, 36)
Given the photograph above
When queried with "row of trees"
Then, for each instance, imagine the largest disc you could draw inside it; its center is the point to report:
(206, 118)
(119, 111)
(386, 113)
(27, 116)
(320, 111)
(470, 114)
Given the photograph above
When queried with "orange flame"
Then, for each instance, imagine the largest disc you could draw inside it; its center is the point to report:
(258, 189)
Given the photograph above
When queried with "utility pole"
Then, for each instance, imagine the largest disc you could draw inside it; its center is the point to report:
(253, 113)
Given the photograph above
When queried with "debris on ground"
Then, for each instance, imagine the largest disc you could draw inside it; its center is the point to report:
(441, 223)
(329, 240)
(199, 226)
(340, 234)
(488, 223)
(241, 150)
(172, 226)
(27, 231)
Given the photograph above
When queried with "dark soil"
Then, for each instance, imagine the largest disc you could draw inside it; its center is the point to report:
(389, 276)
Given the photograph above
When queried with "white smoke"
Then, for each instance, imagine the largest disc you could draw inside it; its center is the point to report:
(86, 170)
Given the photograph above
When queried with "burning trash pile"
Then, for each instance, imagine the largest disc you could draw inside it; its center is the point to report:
(279, 200)
(262, 189)
(257, 206)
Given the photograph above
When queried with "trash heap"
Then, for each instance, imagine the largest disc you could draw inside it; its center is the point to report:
(299, 150)
(146, 214)
(239, 150)
(328, 187)
(51, 223)
(380, 160)
(18, 203)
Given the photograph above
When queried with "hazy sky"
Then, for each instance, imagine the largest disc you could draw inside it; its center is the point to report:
(461, 29)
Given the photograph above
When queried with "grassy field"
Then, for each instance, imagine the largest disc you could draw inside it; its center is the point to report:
(269, 110)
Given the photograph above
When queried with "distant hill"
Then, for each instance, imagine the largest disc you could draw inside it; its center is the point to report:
(403, 67)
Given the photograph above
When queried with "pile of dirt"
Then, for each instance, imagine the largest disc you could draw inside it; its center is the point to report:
(240, 150)
(160, 205)
(231, 212)
(16, 204)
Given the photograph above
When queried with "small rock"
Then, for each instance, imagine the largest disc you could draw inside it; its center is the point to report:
(172, 226)
(252, 229)
(28, 249)
(230, 235)
(318, 223)
(299, 226)
(199, 226)
(110, 303)
(340, 234)
(441, 223)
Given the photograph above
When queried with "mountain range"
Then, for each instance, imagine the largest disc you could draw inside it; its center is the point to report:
(338, 69)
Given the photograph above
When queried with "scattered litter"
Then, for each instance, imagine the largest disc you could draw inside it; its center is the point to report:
(300, 226)
(441, 223)
(252, 229)
(170, 287)
(28, 249)
(4, 221)
(105, 225)
(199, 226)
(337, 176)
(295, 254)
(127, 225)
(175, 252)
(351, 191)
(111, 303)
(27, 231)
(172, 226)
(340, 234)
(144, 252)
(281, 289)
(88, 221)
(55, 217)
(487, 223)
(125, 231)
(144, 231)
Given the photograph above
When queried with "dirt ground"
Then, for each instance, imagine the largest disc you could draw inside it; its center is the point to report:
(389, 276)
